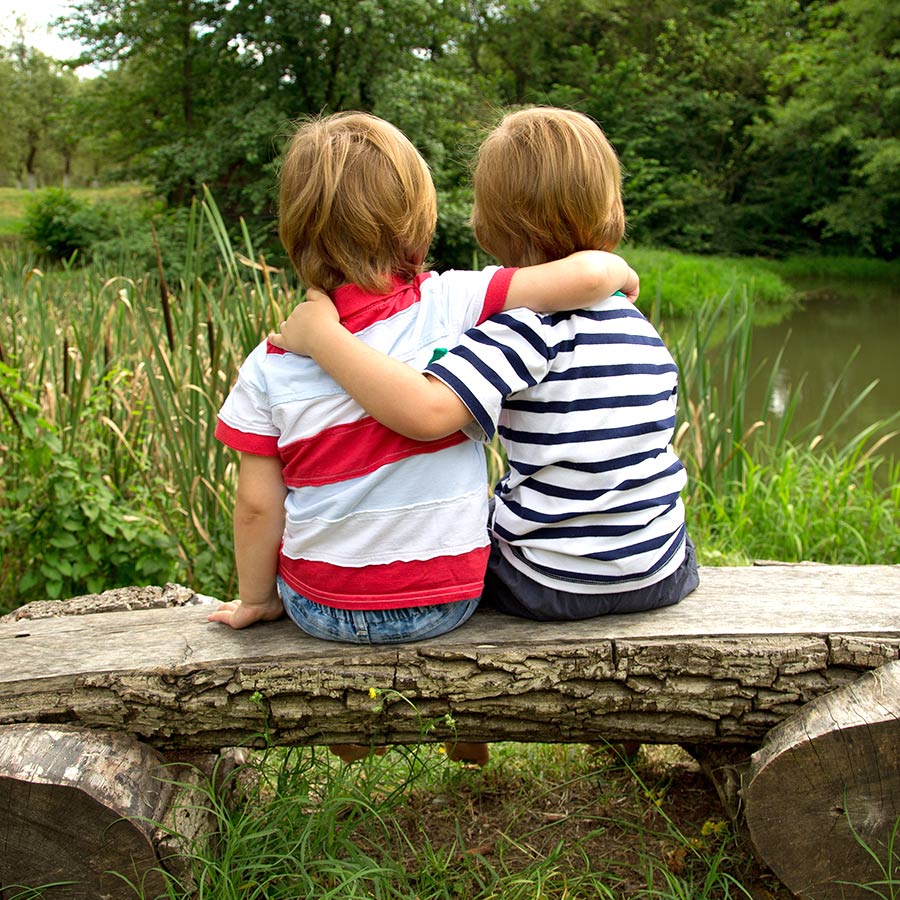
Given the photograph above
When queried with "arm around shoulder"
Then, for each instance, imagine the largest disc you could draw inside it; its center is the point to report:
(407, 401)
(400, 397)
(576, 281)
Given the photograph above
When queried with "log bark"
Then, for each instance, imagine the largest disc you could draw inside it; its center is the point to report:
(823, 792)
(114, 600)
(728, 663)
(77, 806)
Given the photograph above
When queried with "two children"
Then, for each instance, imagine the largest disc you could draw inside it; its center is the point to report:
(359, 533)
(589, 519)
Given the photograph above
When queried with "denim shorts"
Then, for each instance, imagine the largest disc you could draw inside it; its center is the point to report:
(373, 626)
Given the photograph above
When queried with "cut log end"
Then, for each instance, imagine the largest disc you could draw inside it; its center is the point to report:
(69, 846)
(823, 793)
(80, 814)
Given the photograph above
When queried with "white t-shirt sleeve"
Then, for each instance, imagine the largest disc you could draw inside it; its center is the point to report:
(471, 297)
(499, 358)
(245, 419)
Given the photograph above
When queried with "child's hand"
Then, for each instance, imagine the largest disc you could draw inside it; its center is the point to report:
(632, 287)
(240, 615)
(299, 332)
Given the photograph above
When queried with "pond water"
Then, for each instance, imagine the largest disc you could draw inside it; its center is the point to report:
(837, 323)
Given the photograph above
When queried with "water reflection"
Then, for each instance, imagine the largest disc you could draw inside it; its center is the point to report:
(840, 341)
(781, 388)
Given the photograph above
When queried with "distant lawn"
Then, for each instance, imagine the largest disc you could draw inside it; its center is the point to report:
(12, 206)
(681, 282)
(838, 267)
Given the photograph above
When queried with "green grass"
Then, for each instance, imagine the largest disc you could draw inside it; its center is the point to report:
(801, 504)
(539, 821)
(837, 267)
(14, 200)
(11, 214)
(679, 283)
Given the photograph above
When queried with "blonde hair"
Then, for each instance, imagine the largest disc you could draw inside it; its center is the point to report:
(547, 183)
(356, 203)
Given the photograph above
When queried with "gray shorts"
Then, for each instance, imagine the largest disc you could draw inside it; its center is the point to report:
(510, 591)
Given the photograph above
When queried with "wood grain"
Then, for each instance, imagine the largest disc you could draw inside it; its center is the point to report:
(824, 790)
(76, 806)
(746, 650)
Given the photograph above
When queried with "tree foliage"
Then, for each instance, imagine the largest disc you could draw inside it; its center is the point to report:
(36, 93)
(835, 124)
(744, 126)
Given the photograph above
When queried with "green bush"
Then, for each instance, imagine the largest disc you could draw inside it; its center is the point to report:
(113, 236)
(65, 529)
(60, 225)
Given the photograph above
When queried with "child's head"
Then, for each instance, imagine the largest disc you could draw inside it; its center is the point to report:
(547, 183)
(357, 203)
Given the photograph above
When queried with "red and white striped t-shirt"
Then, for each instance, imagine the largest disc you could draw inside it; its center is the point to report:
(373, 520)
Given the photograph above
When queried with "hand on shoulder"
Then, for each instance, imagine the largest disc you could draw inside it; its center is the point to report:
(300, 331)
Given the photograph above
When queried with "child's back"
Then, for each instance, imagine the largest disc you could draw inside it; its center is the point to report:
(373, 537)
(589, 519)
(374, 520)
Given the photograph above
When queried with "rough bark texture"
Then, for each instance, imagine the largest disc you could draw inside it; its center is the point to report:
(824, 791)
(722, 667)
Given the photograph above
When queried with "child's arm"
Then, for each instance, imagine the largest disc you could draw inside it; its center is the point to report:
(418, 405)
(573, 282)
(407, 401)
(258, 529)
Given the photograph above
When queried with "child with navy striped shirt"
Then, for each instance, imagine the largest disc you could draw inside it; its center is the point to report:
(589, 519)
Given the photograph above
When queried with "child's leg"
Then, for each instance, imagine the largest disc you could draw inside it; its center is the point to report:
(467, 752)
(352, 752)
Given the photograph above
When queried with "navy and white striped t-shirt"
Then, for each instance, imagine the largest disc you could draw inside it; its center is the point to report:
(584, 404)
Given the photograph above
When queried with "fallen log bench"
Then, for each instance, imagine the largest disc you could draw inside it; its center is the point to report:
(782, 680)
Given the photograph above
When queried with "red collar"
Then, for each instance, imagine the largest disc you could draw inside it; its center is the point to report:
(359, 308)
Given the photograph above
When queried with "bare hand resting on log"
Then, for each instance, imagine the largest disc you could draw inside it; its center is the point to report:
(240, 615)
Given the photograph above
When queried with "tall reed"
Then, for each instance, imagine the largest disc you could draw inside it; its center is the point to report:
(127, 375)
(196, 333)
(124, 377)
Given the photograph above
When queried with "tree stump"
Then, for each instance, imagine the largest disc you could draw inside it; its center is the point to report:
(823, 792)
(77, 806)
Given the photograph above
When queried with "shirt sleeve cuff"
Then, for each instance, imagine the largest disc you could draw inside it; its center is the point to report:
(482, 429)
(257, 444)
(495, 297)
